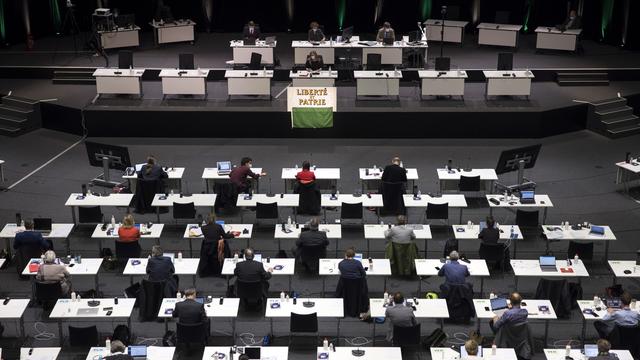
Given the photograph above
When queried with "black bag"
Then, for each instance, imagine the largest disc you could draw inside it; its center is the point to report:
(121, 332)
(435, 339)
(169, 338)
(449, 246)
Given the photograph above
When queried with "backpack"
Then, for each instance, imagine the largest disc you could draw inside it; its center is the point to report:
(121, 332)
(449, 246)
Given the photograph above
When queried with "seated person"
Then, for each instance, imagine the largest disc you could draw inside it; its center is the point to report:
(490, 235)
(314, 62)
(129, 233)
(471, 347)
(604, 348)
(621, 317)
(399, 314)
(351, 268)
(315, 33)
(50, 272)
(160, 268)
(573, 21)
(312, 238)
(30, 238)
(251, 31)
(251, 271)
(385, 32)
(190, 311)
(151, 171)
(306, 176)
(454, 273)
(118, 351)
(400, 234)
(240, 176)
(515, 315)
(214, 249)
(394, 173)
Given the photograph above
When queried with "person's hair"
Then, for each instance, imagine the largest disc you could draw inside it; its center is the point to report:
(128, 221)
(396, 160)
(314, 223)
(314, 24)
(490, 222)
(573, 11)
(398, 298)
(190, 292)
(117, 346)
(28, 224)
(156, 250)
(625, 298)
(515, 299)
(402, 220)
(454, 255)
(150, 162)
(251, 23)
(351, 252)
(245, 160)
(386, 24)
(248, 253)
(603, 346)
(471, 346)
(211, 218)
(243, 357)
(49, 257)
(306, 165)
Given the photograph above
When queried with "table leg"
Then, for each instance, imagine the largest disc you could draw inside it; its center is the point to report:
(544, 215)
(166, 325)
(98, 284)
(60, 332)
(67, 244)
(461, 215)
(73, 214)
(614, 280)
(546, 332)
(384, 286)
(373, 335)
(419, 286)
(441, 324)
(481, 286)
(425, 248)
(290, 283)
(233, 329)
(478, 328)
(338, 334)
(158, 213)
(606, 251)
(271, 326)
(190, 247)
(323, 283)
(516, 283)
(368, 248)
(584, 330)
(131, 280)
(22, 327)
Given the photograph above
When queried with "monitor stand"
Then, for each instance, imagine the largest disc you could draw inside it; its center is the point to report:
(104, 179)
(522, 182)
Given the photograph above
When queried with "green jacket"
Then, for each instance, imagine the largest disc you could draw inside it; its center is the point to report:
(402, 258)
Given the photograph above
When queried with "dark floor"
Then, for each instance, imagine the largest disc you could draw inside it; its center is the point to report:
(577, 171)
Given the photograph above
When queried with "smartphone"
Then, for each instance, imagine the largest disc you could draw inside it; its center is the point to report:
(109, 312)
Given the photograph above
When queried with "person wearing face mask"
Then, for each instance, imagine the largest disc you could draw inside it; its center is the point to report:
(315, 33)
(573, 21)
(386, 32)
(251, 31)
(314, 61)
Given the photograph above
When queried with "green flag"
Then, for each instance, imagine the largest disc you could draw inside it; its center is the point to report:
(311, 117)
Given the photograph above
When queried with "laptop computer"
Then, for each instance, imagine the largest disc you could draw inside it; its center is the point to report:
(463, 352)
(224, 167)
(252, 352)
(249, 41)
(527, 197)
(590, 350)
(498, 305)
(137, 351)
(548, 263)
(257, 257)
(483, 225)
(387, 41)
(200, 300)
(88, 311)
(42, 225)
(614, 303)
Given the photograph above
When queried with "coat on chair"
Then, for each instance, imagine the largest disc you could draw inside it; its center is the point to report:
(355, 293)
(402, 258)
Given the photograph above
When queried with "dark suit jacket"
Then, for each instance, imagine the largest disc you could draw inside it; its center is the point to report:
(568, 24)
(394, 173)
(30, 238)
(190, 312)
(489, 236)
(317, 35)
(119, 357)
(160, 268)
(316, 64)
(215, 232)
(251, 271)
(351, 269)
(155, 173)
(312, 238)
(248, 35)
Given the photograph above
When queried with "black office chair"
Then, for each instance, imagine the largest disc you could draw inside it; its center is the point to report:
(583, 250)
(392, 198)
(309, 257)
(626, 338)
(192, 334)
(355, 295)
(351, 211)
(374, 61)
(83, 336)
(125, 59)
(90, 215)
(146, 190)
(256, 60)
(469, 183)
(528, 222)
(251, 294)
(267, 211)
(185, 61)
(517, 337)
(47, 294)
(149, 299)
(558, 293)
(184, 211)
(127, 250)
(310, 199)
(407, 338)
(24, 255)
(437, 212)
(303, 324)
(495, 254)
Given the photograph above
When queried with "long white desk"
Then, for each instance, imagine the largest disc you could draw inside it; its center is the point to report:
(454, 201)
(548, 37)
(314, 78)
(86, 267)
(184, 266)
(154, 232)
(531, 268)
(329, 267)
(627, 172)
(372, 176)
(228, 309)
(442, 83)
(508, 83)
(378, 83)
(425, 309)
(267, 352)
(370, 353)
(464, 232)
(184, 82)
(323, 307)
(541, 202)
(242, 52)
(453, 30)
(556, 233)
(177, 31)
(198, 200)
(173, 180)
(626, 269)
(390, 54)
(449, 179)
(592, 308)
(249, 82)
(498, 34)
(39, 353)
(282, 200)
(239, 231)
(326, 178)
(120, 38)
(431, 267)
(58, 231)
(560, 354)
(279, 266)
(210, 175)
(77, 200)
(376, 232)
(14, 310)
(118, 81)
(153, 353)
(445, 353)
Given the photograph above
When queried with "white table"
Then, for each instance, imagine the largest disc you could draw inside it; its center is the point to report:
(370, 353)
(186, 266)
(14, 310)
(508, 82)
(431, 267)
(112, 233)
(211, 175)
(588, 304)
(425, 309)
(184, 82)
(239, 231)
(449, 179)
(228, 309)
(153, 352)
(326, 178)
(323, 307)
(66, 310)
(498, 34)
(86, 267)
(541, 202)
(453, 30)
(618, 268)
(559, 354)
(554, 39)
(333, 231)
(174, 178)
(443, 353)
(463, 232)
(367, 201)
(249, 82)
(329, 267)
(198, 200)
(442, 83)
(378, 83)
(280, 267)
(118, 81)
(454, 201)
(531, 268)
(627, 172)
(77, 200)
(120, 38)
(376, 232)
(242, 52)
(39, 353)
(371, 177)
(177, 31)
(267, 352)
(391, 54)
(314, 78)
(58, 231)
(282, 200)
(555, 233)
(301, 50)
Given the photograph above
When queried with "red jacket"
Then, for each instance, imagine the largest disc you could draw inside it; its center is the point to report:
(131, 234)
(306, 176)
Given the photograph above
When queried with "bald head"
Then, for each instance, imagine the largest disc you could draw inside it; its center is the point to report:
(515, 299)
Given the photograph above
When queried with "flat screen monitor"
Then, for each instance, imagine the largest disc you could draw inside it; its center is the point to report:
(118, 156)
(138, 351)
(590, 350)
(185, 61)
(126, 20)
(509, 159)
(252, 352)
(42, 224)
(443, 64)
(505, 61)
(125, 59)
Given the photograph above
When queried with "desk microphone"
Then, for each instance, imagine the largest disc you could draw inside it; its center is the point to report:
(386, 74)
(269, 193)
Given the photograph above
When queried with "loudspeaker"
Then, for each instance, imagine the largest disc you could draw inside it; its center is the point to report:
(185, 61)
(505, 61)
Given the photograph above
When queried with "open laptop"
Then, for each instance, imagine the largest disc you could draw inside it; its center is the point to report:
(463, 352)
(483, 225)
(387, 41)
(257, 257)
(498, 305)
(548, 263)
(137, 351)
(224, 167)
(590, 350)
(527, 197)
(42, 225)
(249, 41)
(252, 352)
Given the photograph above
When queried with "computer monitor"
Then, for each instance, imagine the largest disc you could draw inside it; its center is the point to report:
(527, 195)
(116, 156)
(498, 303)
(257, 257)
(42, 224)
(505, 61)
(347, 33)
(509, 159)
(443, 64)
(125, 59)
(252, 352)
(185, 61)
(590, 350)
(126, 20)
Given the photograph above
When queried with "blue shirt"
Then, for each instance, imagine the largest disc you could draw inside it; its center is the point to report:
(513, 316)
(454, 273)
(351, 269)
(622, 317)
(30, 238)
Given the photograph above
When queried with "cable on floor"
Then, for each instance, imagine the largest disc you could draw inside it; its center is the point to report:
(357, 341)
(42, 334)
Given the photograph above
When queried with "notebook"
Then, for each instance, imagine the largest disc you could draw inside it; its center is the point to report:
(498, 305)
(224, 167)
(548, 263)
(138, 351)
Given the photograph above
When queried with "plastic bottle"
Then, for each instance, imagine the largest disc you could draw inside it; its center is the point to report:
(113, 222)
(494, 349)
(289, 220)
(179, 256)
(325, 344)
(73, 296)
(576, 259)
(107, 344)
(492, 296)
(567, 350)
(282, 296)
(385, 296)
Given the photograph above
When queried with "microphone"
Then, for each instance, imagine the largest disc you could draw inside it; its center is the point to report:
(269, 193)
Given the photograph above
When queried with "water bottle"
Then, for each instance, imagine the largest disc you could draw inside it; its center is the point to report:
(576, 259)
(385, 296)
(567, 350)
(107, 344)
(325, 344)
(73, 296)
(289, 220)
(178, 295)
(401, 165)
(492, 296)
(235, 258)
(179, 256)
(494, 349)
(282, 296)
(113, 222)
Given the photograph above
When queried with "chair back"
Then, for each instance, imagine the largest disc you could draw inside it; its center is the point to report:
(517, 337)
(309, 257)
(469, 183)
(185, 61)
(256, 59)
(267, 211)
(184, 211)
(83, 336)
(145, 192)
(150, 298)
(405, 335)
(354, 292)
(374, 61)
(24, 254)
(304, 323)
(48, 293)
(583, 250)
(392, 198)
(527, 219)
(502, 17)
(629, 339)
(191, 333)
(492, 252)
(438, 211)
(90, 215)
(127, 250)
(310, 199)
(351, 211)
(249, 290)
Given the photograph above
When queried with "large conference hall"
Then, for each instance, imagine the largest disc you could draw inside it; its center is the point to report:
(331, 179)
